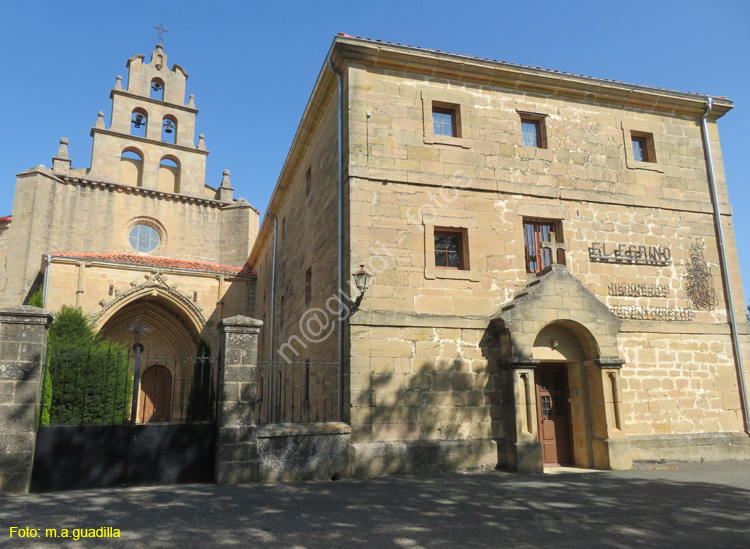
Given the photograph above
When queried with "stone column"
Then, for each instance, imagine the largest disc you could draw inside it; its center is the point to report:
(23, 346)
(610, 445)
(523, 452)
(236, 438)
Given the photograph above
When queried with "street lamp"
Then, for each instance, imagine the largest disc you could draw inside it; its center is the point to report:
(362, 279)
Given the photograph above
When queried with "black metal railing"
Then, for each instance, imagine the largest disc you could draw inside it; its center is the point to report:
(82, 387)
(298, 392)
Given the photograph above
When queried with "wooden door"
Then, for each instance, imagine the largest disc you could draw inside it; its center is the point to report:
(156, 395)
(553, 414)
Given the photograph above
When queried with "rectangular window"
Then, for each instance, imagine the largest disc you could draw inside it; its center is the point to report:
(444, 121)
(534, 234)
(308, 287)
(640, 150)
(448, 250)
(530, 133)
(308, 181)
(283, 228)
(281, 315)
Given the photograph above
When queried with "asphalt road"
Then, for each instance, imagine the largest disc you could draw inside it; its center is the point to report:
(704, 505)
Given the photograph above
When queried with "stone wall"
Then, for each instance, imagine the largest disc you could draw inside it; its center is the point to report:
(405, 183)
(23, 344)
(51, 215)
(306, 240)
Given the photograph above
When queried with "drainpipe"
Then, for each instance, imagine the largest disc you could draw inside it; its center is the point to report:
(723, 258)
(273, 289)
(46, 279)
(340, 243)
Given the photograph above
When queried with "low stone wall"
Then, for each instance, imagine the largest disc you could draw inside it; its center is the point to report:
(690, 447)
(310, 451)
(372, 459)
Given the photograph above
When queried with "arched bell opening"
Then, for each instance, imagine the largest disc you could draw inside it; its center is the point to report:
(139, 122)
(157, 89)
(131, 167)
(169, 174)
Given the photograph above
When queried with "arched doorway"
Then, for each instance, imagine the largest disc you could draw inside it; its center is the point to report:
(558, 341)
(561, 419)
(169, 343)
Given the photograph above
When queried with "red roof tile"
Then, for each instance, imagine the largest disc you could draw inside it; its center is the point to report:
(344, 35)
(165, 262)
(6, 218)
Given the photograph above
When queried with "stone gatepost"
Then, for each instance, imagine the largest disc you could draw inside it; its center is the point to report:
(523, 452)
(610, 446)
(23, 347)
(236, 432)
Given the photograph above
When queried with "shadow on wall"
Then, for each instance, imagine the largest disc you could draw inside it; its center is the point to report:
(634, 509)
(433, 415)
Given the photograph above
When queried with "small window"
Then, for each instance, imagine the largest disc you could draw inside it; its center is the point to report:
(530, 133)
(308, 287)
(449, 250)
(281, 315)
(283, 229)
(540, 257)
(643, 147)
(308, 181)
(444, 120)
(144, 238)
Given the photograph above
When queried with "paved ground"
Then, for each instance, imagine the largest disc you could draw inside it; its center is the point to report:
(687, 505)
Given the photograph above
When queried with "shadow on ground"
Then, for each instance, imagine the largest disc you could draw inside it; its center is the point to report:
(629, 509)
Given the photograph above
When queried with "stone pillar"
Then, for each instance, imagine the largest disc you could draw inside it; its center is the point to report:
(23, 346)
(523, 452)
(236, 439)
(610, 446)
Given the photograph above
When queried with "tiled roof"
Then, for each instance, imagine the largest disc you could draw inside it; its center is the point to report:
(6, 218)
(378, 40)
(165, 262)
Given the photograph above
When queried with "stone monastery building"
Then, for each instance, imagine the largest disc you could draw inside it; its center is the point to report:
(553, 260)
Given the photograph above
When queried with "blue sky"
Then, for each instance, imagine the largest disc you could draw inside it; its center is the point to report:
(252, 66)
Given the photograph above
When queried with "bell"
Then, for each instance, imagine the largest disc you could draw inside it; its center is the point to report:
(155, 86)
(168, 126)
(138, 120)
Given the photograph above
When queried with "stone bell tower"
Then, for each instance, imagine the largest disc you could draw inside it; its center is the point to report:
(151, 140)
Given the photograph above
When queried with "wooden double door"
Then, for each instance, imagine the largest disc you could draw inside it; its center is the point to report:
(553, 413)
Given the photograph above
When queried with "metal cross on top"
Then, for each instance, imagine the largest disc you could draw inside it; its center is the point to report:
(553, 245)
(138, 328)
(160, 29)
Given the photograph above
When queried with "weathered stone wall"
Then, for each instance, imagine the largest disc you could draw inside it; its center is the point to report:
(405, 182)
(23, 344)
(85, 284)
(75, 216)
(306, 239)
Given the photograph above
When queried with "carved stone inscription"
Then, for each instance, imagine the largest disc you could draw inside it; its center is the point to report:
(638, 290)
(640, 312)
(629, 254)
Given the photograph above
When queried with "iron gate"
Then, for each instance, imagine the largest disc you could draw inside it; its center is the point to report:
(125, 419)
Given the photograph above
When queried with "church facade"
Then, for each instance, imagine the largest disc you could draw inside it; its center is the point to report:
(548, 275)
(139, 233)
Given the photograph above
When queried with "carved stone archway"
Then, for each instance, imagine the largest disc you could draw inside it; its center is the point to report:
(558, 301)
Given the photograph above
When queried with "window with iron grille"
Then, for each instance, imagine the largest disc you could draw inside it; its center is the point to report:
(534, 233)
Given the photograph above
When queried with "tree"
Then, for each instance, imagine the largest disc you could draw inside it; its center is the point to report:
(201, 399)
(88, 379)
